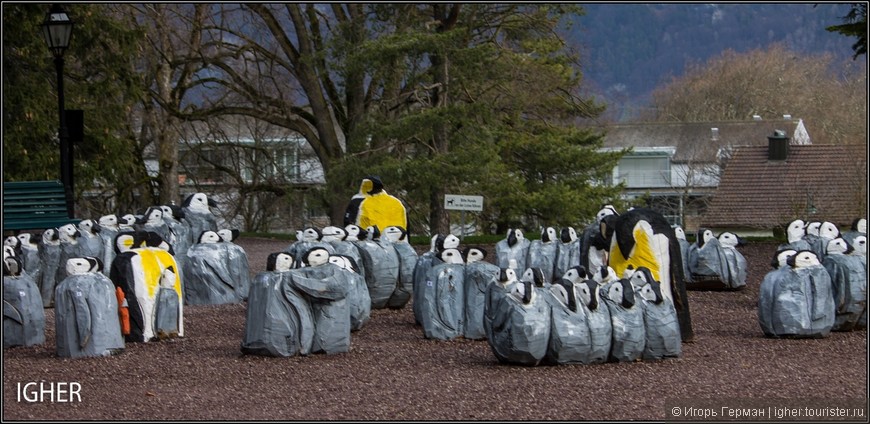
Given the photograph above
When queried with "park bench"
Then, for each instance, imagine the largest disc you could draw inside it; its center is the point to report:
(32, 205)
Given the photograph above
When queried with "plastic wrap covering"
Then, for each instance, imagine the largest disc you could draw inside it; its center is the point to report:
(567, 256)
(661, 327)
(23, 314)
(381, 263)
(31, 262)
(405, 285)
(237, 265)
(735, 277)
(542, 255)
(442, 312)
(86, 317)
(198, 222)
(421, 270)
(326, 287)
(50, 258)
(107, 236)
(626, 319)
(208, 278)
(796, 303)
(598, 319)
(849, 289)
(349, 249)
(359, 301)
(279, 320)
(570, 338)
(520, 331)
(505, 252)
(685, 248)
(478, 276)
(167, 318)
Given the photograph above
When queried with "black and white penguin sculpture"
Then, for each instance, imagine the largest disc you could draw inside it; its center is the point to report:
(23, 314)
(198, 215)
(795, 233)
(495, 292)
(278, 319)
(208, 279)
(358, 299)
(660, 324)
(326, 286)
(858, 228)
(69, 248)
(595, 245)
(168, 306)
(173, 216)
(626, 318)
(849, 285)
(49, 256)
(427, 260)
(570, 338)
(567, 252)
(29, 248)
(108, 231)
(514, 248)
(735, 262)
(153, 220)
(398, 236)
(381, 263)
(520, 326)
(795, 301)
(479, 274)
(237, 261)
(598, 319)
(684, 252)
(86, 312)
(89, 240)
(542, 253)
(442, 313)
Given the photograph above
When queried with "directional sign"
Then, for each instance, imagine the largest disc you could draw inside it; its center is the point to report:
(463, 203)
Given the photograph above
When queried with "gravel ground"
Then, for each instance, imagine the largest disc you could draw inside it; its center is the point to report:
(393, 373)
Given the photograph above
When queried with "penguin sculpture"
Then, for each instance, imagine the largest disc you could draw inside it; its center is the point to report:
(50, 258)
(858, 228)
(643, 237)
(812, 237)
(30, 256)
(684, 252)
(594, 246)
(427, 260)
(542, 253)
(108, 231)
(89, 240)
(198, 215)
(153, 220)
(127, 222)
(236, 261)
(14, 243)
(827, 232)
(377, 208)
(86, 312)
(23, 314)
(771, 282)
(167, 308)
(860, 245)
(342, 244)
(138, 274)
(495, 292)
(398, 236)
(598, 319)
(567, 252)
(69, 248)
(208, 278)
(478, 276)
(709, 264)
(795, 301)
(660, 324)
(358, 299)
(570, 338)
(442, 313)
(520, 326)
(181, 238)
(735, 262)
(307, 239)
(514, 247)
(795, 233)
(849, 284)
(278, 319)
(381, 263)
(626, 318)
(326, 286)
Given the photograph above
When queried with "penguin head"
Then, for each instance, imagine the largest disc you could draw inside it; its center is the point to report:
(315, 256)
(209, 236)
(796, 230)
(860, 245)
(167, 277)
(152, 239)
(620, 292)
(523, 292)
(373, 233)
(371, 185)
(588, 292)
(859, 225)
(506, 276)
(729, 239)
(605, 275)
(704, 235)
(395, 234)
(514, 236)
(548, 235)
(78, 266)
(89, 226)
(813, 228)
(109, 221)
(127, 221)
(311, 234)
(564, 292)
(446, 241)
(568, 235)
(606, 228)
(473, 254)
(838, 246)
(680, 233)
(332, 233)
(803, 259)
(534, 275)
(279, 262)
(125, 241)
(167, 212)
(345, 262)
(12, 241)
(575, 274)
(780, 259)
(9, 252)
(12, 266)
(451, 256)
(51, 236)
(199, 203)
(829, 230)
(69, 233)
(641, 276)
(153, 216)
(652, 292)
(228, 235)
(353, 232)
(605, 210)
(25, 240)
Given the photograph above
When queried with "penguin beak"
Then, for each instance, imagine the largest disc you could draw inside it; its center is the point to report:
(212, 203)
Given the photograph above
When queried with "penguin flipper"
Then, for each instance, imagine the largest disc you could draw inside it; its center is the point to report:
(82, 312)
(12, 312)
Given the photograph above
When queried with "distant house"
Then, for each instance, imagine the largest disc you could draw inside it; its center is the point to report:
(676, 165)
(766, 187)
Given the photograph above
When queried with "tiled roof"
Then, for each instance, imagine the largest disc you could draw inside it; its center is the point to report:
(755, 192)
(695, 141)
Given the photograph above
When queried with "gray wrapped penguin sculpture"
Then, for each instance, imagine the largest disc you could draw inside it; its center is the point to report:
(23, 314)
(795, 300)
(442, 311)
(520, 326)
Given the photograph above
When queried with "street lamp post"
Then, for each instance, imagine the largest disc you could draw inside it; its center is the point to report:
(57, 30)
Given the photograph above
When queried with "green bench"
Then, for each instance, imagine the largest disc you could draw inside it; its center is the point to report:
(32, 205)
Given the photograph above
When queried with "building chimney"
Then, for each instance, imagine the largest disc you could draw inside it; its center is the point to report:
(777, 147)
(714, 134)
(787, 117)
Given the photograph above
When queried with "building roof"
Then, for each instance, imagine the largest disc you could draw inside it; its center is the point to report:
(755, 192)
(698, 141)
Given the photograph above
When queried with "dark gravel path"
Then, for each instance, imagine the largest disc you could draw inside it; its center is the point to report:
(393, 373)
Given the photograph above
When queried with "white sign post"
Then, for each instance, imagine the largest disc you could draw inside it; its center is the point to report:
(462, 203)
